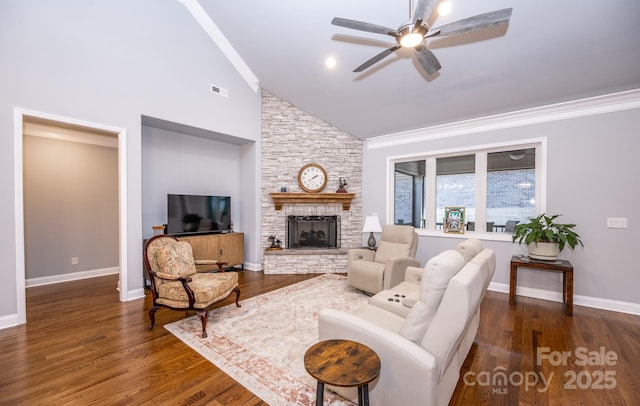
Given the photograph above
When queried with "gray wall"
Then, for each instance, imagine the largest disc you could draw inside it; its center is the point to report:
(70, 207)
(110, 62)
(183, 164)
(593, 172)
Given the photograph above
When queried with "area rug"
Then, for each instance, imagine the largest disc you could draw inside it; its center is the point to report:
(262, 344)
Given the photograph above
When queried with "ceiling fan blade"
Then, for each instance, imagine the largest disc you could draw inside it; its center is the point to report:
(473, 23)
(427, 59)
(362, 26)
(377, 58)
(423, 10)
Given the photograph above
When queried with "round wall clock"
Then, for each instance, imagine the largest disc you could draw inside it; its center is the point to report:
(312, 178)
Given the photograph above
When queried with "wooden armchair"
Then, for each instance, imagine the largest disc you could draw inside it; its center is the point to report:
(175, 284)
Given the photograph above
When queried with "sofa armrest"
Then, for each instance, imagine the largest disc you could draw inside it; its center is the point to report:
(355, 254)
(395, 268)
(413, 274)
(403, 362)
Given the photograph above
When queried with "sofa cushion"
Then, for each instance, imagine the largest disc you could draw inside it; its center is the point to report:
(381, 317)
(438, 271)
(454, 317)
(175, 260)
(395, 241)
(487, 261)
(387, 250)
(469, 248)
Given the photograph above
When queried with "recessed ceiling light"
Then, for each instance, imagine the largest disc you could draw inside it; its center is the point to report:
(444, 8)
(330, 62)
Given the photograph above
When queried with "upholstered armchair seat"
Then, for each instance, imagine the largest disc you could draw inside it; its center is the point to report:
(207, 290)
(372, 271)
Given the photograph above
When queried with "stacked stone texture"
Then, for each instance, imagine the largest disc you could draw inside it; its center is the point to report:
(292, 138)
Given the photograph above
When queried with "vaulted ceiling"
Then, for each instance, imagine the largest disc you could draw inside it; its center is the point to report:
(549, 52)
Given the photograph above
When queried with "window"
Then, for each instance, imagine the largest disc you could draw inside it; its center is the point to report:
(511, 187)
(499, 186)
(455, 186)
(409, 193)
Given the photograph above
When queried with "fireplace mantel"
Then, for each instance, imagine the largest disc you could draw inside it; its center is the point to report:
(293, 197)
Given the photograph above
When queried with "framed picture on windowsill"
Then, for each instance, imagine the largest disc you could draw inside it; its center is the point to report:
(454, 220)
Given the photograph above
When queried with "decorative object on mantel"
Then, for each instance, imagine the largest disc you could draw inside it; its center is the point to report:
(276, 244)
(157, 230)
(295, 197)
(545, 237)
(342, 182)
(372, 225)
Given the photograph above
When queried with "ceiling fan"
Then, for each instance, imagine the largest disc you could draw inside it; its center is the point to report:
(414, 33)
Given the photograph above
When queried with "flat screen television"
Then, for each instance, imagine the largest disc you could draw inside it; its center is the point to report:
(196, 214)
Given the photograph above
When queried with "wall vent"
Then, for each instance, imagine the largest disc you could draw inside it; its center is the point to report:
(220, 90)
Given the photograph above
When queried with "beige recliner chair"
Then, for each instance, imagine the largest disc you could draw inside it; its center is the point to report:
(372, 271)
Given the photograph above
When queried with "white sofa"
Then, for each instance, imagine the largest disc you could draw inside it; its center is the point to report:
(422, 352)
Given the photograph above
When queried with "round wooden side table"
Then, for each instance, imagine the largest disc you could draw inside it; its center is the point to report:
(343, 363)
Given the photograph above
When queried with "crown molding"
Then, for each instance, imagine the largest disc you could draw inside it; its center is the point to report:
(613, 102)
(222, 42)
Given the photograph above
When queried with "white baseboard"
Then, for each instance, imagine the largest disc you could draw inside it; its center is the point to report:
(579, 300)
(248, 266)
(135, 294)
(48, 280)
(8, 321)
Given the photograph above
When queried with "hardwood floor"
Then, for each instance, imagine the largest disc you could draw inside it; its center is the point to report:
(83, 347)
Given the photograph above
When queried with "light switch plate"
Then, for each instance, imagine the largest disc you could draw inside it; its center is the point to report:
(616, 222)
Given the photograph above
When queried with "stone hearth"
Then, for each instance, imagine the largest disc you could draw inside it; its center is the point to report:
(300, 261)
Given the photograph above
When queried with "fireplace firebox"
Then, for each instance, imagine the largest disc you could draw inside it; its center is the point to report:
(306, 232)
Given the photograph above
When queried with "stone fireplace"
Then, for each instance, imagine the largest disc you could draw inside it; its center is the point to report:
(292, 138)
(308, 232)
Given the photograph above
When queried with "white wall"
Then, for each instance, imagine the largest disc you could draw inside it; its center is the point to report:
(110, 62)
(593, 172)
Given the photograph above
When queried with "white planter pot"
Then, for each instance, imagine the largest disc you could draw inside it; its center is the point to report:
(547, 251)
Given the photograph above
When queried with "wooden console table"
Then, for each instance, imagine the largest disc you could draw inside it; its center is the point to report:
(552, 266)
(342, 363)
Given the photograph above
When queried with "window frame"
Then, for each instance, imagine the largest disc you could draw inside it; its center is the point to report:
(480, 151)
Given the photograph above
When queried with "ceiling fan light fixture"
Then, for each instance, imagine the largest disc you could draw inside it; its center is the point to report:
(411, 40)
(410, 36)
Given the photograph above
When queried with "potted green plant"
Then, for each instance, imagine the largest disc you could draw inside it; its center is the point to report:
(545, 237)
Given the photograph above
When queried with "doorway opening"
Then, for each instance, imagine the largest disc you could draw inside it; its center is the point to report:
(25, 117)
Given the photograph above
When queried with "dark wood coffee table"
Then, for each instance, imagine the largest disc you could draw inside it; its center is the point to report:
(343, 363)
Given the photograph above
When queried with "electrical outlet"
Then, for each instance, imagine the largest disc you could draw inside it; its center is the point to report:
(74, 260)
(616, 222)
